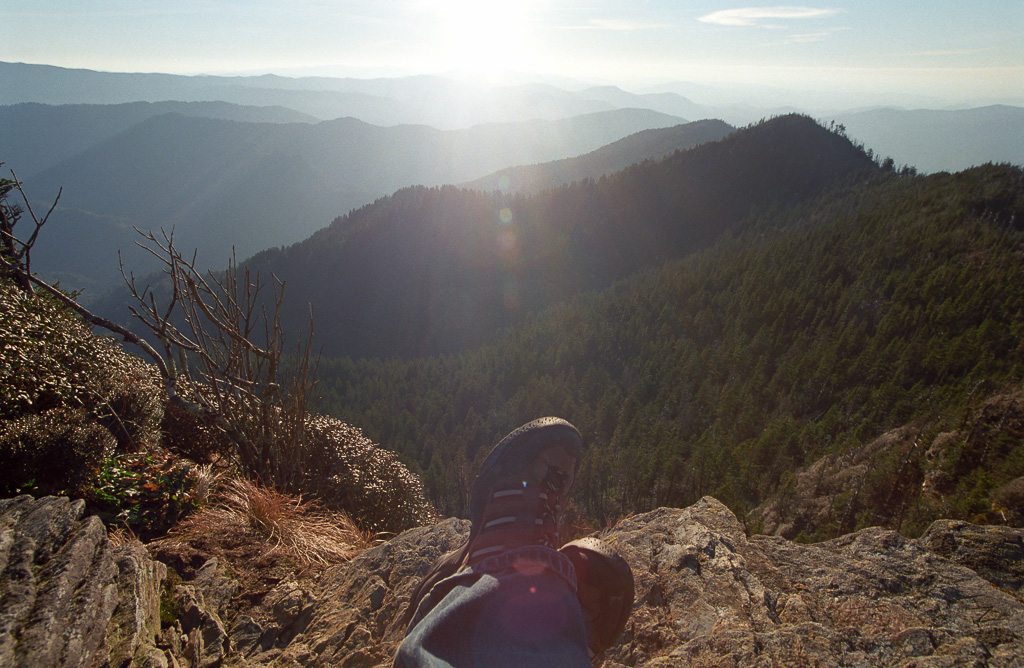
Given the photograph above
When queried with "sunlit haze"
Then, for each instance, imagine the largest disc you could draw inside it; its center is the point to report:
(942, 51)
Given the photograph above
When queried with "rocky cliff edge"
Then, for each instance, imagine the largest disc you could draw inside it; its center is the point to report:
(706, 595)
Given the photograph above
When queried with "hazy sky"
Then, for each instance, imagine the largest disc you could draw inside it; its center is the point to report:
(955, 50)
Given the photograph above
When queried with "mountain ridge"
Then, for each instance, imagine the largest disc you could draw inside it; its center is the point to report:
(35, 136)
(509, 254)
(226, 184)
(635, 148)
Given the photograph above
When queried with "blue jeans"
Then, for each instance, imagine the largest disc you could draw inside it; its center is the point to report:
(515, 609)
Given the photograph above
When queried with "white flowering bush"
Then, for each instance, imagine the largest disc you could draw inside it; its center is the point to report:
(67, 397)
(346, 471)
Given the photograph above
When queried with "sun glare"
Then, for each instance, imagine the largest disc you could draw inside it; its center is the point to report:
(483, 37)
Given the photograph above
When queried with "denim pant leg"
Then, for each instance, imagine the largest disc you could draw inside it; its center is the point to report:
(517, 609)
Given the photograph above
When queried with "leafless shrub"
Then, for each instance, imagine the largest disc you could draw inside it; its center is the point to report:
(193, 435)
(227, 393)
(17, 254)
(255, 394)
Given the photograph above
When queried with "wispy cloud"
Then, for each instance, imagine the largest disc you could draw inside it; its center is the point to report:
(761, 16)
(806, 38)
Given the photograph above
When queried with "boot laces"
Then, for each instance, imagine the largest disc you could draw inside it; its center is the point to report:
(550, 506)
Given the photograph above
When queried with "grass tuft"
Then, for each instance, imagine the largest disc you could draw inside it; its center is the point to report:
(301, 530)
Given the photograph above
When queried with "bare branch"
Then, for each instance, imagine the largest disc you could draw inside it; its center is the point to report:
(38, 222)
(217, 323)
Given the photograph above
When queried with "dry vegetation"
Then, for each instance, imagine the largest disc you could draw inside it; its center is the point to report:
(304, 531)
(80, 416)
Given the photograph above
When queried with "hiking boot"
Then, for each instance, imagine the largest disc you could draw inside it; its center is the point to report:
(522, 486)
(516, 499)
(604, 587)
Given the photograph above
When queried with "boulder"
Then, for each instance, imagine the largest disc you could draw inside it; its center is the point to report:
(57, 583)
(135, 624)
(57, 588)
(708, 595)
(995, 553)
(68, 597)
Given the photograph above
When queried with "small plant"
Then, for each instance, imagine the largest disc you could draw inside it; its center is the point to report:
(148, 492)
(170, 607)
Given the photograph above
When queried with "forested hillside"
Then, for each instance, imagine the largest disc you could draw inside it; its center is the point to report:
(812, 330)
(442, 270)
(714, 323)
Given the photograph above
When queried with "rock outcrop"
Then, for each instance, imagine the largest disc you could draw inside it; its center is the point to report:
(706, 595)
(906, 477)
(709, 595)
(67, 596)
(354, 620)
(135, 623)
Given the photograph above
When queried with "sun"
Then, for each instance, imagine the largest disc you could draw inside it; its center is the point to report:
(482, 36)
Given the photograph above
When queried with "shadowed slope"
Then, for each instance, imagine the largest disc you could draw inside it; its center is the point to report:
(440, 270)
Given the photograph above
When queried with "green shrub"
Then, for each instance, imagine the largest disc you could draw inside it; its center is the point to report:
(131, 399)
(42, 364)
(346, 471)
(67, 397)
(56, 451)
(146, 492)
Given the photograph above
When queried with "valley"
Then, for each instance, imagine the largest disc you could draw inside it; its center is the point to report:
(718, 308)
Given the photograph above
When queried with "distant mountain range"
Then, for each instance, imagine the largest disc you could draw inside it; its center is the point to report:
(428, 100)
(223, 184)
(931, 140)
(35, 136)
(936, 141)
(247, 163)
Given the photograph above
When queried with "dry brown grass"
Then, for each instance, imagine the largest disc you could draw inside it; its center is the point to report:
(206, 482)
(284, 524)
(121, 535)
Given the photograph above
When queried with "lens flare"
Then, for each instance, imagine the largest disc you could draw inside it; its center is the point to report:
(505, 215)
(508, 245)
